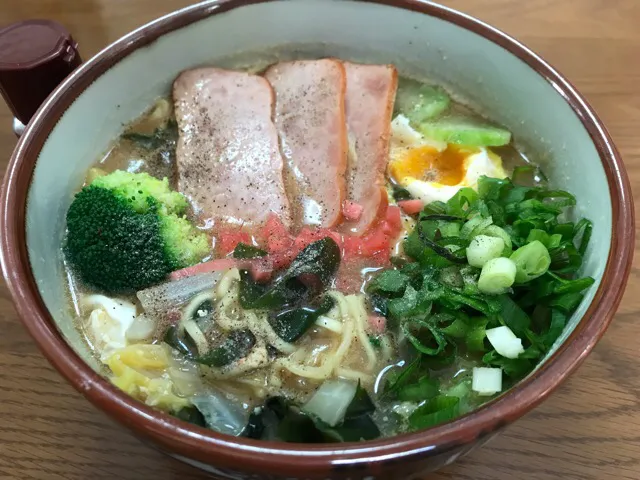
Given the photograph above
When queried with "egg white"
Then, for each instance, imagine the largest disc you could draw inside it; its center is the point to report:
(108, 322)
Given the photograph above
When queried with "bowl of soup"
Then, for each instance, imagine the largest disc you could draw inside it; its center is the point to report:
(314, 239)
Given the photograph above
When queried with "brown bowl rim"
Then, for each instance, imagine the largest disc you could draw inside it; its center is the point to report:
(204, 445)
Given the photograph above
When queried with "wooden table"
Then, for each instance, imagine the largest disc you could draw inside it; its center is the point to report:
(589, 429)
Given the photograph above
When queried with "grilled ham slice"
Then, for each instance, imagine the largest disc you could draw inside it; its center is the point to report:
(371, 92)
(310, 117)
(228, 159)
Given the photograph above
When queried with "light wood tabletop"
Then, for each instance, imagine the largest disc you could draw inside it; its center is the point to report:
(589, 429)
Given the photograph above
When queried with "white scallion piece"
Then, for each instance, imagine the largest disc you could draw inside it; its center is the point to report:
(331, 400)
(484, 248)
(486, 381)
(505, 342)
(531, 261)
(497, 276)
(496, 231)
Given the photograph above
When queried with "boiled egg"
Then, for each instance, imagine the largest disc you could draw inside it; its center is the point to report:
(431, 170)
(108, 322)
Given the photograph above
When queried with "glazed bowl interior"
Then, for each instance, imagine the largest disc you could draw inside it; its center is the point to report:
(492, 79)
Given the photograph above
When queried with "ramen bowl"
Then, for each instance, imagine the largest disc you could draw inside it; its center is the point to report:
(488, 69)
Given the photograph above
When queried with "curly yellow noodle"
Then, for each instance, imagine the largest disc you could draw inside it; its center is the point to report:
(359, 314)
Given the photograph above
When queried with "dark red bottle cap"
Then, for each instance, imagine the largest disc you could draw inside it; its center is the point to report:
(35, 57)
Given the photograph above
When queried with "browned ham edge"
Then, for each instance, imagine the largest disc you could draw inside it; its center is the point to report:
(310, 117)
(371, 93)
(228, 158)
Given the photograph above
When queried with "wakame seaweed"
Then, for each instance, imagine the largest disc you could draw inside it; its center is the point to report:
(309, 272)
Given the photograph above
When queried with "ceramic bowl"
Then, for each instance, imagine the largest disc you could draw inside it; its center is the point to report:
(498, 75)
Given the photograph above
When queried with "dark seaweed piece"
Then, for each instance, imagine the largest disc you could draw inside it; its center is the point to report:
(204, 310)
(255, 426)
(291, 324)
(237, 345)
(183, 345)
(311, 270)
(360, 405)
(400, 194)
(191, 415)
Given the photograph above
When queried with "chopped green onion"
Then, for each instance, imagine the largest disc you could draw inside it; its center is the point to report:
(496, 231)
(398, 381)
(531, 260)
(497, 276)
(476, 334)
(556, 327)
(505, 342)
(460, 390)
(484, 248)
(567, 302)
(586, 227)
(437, 410)
(573, 286)
(513, 316)
(537, 234)
(474, 226)
(449, 229)
(424, 389)
(457, 329)
(389, 281)
(486, 381)
(419, 343)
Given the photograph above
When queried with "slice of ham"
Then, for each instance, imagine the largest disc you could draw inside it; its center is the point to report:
(310, 116)
(228, 158)
(371, 92)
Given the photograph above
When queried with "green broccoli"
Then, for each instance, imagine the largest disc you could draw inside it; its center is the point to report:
(127, 231)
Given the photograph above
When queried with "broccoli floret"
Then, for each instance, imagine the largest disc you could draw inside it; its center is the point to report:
(127, 231)
(138, 187)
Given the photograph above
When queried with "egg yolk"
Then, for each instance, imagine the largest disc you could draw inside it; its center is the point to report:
(429, 165)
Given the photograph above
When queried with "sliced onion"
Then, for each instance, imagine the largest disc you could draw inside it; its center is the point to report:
(505, 342)
(157, 301)
(184, 374)
(141, 329)
(486, 381)
(331, 400)
(221, 413)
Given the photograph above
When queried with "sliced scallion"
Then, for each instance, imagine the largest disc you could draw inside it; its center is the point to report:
(497, 276)
(505, 342)
(532, 260)
(486, 381)
(496, 231)
(484, 248)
